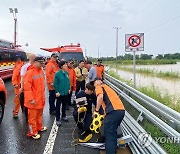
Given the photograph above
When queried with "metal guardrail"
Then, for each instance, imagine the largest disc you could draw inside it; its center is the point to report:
(170, 115)
(131, 126)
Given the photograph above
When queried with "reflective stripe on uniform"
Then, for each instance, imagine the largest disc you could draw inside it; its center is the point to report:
(38, 76)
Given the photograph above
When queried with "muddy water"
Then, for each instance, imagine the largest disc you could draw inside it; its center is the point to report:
(158, 68)
(165, 85)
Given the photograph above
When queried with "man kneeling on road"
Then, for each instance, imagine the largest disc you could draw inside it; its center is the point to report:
(83, 112)
(114, 110)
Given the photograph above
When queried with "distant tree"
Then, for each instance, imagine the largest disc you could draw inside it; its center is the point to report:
(159, 56)
(128, 57)
(137, 57)
(146, 56)
(167, 56)
(176, 56)
(120, 57)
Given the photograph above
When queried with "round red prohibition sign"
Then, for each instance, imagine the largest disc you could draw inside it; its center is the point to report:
(134, 40)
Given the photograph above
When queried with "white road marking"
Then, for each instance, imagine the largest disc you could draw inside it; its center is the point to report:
(52, 137)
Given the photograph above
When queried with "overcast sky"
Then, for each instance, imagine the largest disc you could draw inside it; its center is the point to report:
(49, 23)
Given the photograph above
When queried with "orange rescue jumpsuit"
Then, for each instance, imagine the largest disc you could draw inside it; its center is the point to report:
(51, 68)
(34, 89)
(72, 78)
(100, 71)
(16, 79)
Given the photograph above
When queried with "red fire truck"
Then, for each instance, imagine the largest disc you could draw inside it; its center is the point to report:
(8, 54)
(67, 51)
(2, 99)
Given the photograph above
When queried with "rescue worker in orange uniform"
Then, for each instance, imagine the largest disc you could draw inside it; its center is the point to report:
(24, 69)
(72, 78)
(47, 60)
(51, 68)
(16, 79)
(99, 69)
(34, 94)
(114, 113)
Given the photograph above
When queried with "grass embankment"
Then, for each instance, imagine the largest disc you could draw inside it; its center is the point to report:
(152, 72)
(153, 92)
(159, 136)
(143, 62)
(155, 132)
(165, 99)
(168, 74)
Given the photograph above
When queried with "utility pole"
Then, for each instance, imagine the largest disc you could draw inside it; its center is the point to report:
(85, 52)
(117, 28)
(14, 11)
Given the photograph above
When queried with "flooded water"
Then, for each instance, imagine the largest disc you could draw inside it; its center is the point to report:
(158, 68)
(169, 86)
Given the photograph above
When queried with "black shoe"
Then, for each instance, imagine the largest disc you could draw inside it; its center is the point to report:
(67, 107)
(58, 123)
(64, 119)
(80, 131)
(52, 112)
(15, 116)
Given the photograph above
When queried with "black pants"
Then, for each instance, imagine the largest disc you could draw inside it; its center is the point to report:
(80, 85)
(69, 98)
(111, 122)
(52, 98)
(61, 100)
(23, 108)
(83, 126)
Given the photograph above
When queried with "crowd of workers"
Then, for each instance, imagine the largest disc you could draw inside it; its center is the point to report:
(62, 78)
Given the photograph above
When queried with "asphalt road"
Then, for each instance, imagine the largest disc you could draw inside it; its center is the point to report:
(13, 138)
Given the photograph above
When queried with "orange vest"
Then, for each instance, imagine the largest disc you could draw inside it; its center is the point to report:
(72, 78)
(34, 88)
(99, 70)
(51, 69)
(111, 100)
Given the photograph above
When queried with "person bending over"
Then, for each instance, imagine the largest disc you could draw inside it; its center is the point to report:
(114, 113)
(84, 98)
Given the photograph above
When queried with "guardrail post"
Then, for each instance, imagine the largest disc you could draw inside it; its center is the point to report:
(172, 124)
(140, 117)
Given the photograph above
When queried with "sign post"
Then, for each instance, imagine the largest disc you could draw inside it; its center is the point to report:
(133, 43)
(134, 68)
